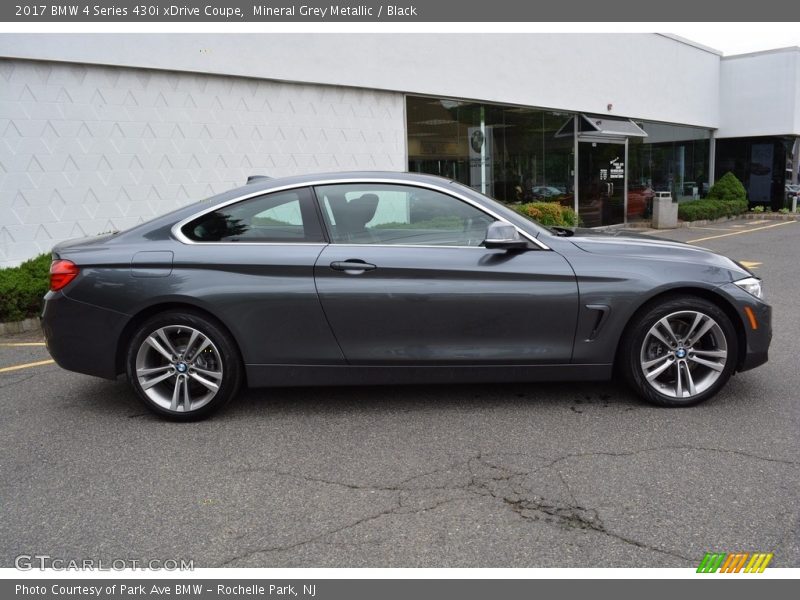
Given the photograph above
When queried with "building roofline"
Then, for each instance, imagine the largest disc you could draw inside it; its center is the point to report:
(760, 52)
(689, 42)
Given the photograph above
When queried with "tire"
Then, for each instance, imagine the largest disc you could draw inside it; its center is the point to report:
(178, 386)
(688, 365)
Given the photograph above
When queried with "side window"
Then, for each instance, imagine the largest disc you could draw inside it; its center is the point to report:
(278, 217)
(399, 215)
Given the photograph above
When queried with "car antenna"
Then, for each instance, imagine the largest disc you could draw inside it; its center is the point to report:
(254, 178)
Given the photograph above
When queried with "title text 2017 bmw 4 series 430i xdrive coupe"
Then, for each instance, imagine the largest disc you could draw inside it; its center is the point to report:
(372, 278)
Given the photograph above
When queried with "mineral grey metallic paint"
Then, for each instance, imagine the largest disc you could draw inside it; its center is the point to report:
(436, 314)
(450, 305)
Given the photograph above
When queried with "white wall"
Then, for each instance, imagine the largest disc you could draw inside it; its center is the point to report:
(760, 94)
(85, 149)
(647, 76)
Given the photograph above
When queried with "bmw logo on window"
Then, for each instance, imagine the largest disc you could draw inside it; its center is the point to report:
(477, 140)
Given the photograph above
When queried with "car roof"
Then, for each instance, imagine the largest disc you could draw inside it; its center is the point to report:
(161, 226)
(266, 184)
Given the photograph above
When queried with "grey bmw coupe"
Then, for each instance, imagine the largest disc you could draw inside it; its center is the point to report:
(387, 278)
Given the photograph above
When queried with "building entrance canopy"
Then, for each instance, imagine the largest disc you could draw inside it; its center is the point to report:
(591, 126)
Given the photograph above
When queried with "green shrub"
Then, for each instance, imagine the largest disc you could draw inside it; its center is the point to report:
(549, 214)
(696, 210)
(22, 288)
(728, 187)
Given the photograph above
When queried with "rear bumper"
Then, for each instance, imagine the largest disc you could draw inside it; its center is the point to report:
(82, 337)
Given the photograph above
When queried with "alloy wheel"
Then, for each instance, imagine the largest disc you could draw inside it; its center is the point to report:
(179, 368)
(683, 354)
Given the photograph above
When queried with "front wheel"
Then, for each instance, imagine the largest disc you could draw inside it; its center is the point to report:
(679, 352)
(183, 366)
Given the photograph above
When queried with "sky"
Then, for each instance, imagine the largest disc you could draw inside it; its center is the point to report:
(739, 38)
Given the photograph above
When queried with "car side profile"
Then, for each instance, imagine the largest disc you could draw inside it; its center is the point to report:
(386, 278)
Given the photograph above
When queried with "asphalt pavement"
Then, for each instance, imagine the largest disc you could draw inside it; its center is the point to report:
(569, 475)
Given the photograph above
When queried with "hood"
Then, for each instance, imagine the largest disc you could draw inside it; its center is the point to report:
(583, 232)
(653, 248)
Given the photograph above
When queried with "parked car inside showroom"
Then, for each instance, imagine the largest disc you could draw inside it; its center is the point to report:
(385, 278)
(546, 192)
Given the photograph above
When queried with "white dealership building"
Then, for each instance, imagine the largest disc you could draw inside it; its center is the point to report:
(100, 132)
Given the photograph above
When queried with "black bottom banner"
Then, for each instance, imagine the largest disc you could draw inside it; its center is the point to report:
(389, 589)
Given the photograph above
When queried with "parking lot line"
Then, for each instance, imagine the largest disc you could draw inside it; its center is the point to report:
(18, 344)
(715, 228)
(713, 237)
(750, 264)
(40, 363)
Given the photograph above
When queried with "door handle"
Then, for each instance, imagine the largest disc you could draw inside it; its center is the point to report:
(352, 266)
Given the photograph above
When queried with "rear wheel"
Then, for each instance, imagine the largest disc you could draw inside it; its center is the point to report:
(183, 365)
(679, 352)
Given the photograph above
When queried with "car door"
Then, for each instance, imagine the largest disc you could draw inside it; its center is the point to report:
(407, 281)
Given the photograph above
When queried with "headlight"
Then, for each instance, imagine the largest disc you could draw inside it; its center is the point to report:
(751, 285)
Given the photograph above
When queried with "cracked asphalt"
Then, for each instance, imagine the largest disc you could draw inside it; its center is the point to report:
(570, 475)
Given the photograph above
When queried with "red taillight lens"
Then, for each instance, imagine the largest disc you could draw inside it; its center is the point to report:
(61, 273)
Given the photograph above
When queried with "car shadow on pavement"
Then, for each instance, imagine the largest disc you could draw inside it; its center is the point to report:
(439, 398)
(610, 396)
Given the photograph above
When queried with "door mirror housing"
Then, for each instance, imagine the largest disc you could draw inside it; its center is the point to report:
(505, 236)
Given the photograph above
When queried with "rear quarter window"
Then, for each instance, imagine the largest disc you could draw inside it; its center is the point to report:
(287, 216)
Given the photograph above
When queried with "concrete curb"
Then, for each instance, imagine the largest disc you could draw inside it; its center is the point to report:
(750, 216)
(701, 222)
(20, 326)
(772, 216)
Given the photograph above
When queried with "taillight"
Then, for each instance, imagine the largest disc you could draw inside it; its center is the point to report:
(61, 273)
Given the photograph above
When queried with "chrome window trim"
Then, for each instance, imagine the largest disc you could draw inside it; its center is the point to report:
(405, 246)
(179, 235)
(193, 243)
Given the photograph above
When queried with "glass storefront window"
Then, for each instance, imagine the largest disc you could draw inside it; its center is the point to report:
(508, 153)
(672, 158)
(521, 154)
(760, 163)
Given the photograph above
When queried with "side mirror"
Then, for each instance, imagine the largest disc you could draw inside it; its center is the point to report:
(503, 235)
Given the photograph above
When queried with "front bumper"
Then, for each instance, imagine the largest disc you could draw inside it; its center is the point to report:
(758, 339)
(82, 337)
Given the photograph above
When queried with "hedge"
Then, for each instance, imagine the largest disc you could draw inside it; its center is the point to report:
(549, 214)
(22, 288)
(696, 210)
